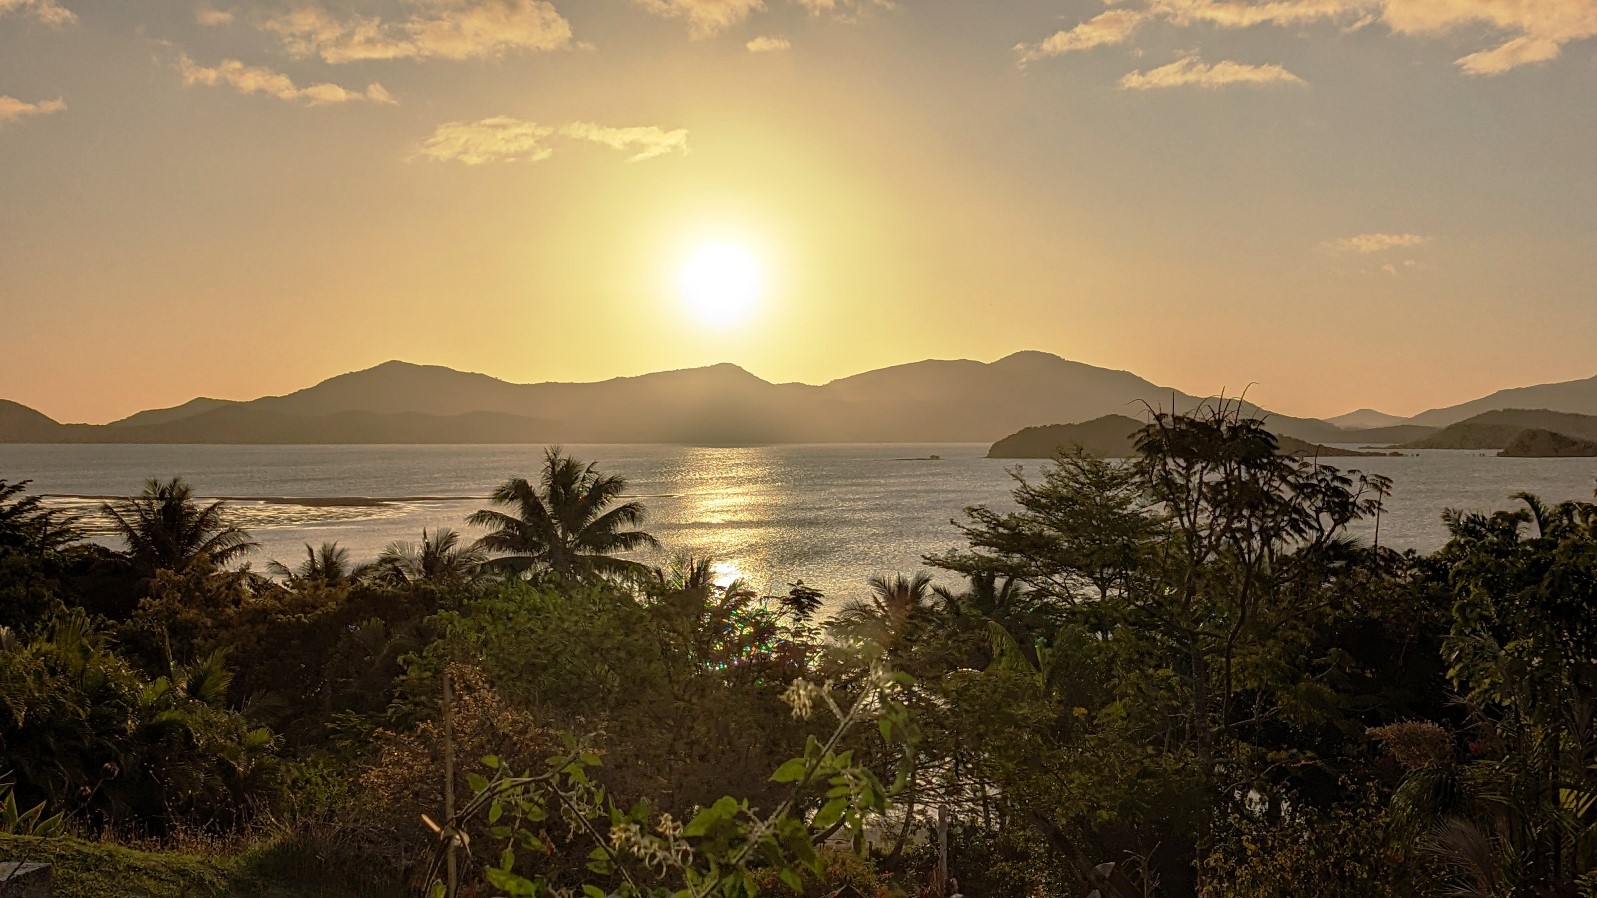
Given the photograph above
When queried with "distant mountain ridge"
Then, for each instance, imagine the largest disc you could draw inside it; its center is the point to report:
(1577, 396)
(928, 401)
(1366, 419)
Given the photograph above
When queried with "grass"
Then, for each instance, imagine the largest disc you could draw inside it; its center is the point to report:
(85, 869)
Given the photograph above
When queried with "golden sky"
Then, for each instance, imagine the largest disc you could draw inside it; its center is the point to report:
(1387, 203)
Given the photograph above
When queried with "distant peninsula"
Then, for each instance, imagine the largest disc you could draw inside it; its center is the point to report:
(1546, 444)
(1518, 433)
(1114, 436)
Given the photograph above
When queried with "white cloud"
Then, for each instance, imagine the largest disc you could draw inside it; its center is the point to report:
(1190, 71)
(248, 79)
(1374, 242)
(767, 44)
(12, 109)
(506, 139)
(1528, 31)
(49, 12)
(1105, 29)
(644, 142)
(440, 29)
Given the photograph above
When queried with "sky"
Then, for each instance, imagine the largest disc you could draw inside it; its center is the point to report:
(1344, 203)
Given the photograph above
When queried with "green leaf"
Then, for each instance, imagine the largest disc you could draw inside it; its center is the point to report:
(793, 880)
(791, 771)
(491, 762)
(830, 813)
(476, 781)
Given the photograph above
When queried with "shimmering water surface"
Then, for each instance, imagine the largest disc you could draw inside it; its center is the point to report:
(831, 514)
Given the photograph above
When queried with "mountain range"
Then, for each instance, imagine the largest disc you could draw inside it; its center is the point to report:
(928, 401)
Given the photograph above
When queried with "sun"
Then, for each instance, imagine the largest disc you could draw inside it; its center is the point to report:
(720, 283)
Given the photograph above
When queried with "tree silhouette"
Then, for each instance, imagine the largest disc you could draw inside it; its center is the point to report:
(166, 529)
(439, 559)
(569, 524)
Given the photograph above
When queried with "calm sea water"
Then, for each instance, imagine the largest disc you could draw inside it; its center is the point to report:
(830, 514)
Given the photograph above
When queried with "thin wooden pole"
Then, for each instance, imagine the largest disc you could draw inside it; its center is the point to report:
(449, 789)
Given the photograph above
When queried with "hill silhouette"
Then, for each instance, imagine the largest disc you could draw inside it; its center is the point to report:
(928, 401)
(1576, 396)
(1497, 429)
(1366, 419)
(1535, 443)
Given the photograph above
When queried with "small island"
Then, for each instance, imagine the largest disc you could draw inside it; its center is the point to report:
(1535, 443)
(1114, 436)
(1519, 433)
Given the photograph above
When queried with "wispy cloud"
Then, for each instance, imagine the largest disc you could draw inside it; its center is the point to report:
(439, 29)
(210, 16)
(1407, 265)
(49, 12)
(497, 139)
(704, 17)
(248, 79)
(1529, 31)
(767, 44)
(645, 142)
(1190, 71)
(1513, 54)
(1105, 29)
(506, 139)
(1375, 242)
(12, 109)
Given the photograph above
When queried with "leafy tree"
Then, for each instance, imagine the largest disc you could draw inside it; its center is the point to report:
(166, 529)
(1515, 812)
(27, 526)
(899, 611)
(568, 524)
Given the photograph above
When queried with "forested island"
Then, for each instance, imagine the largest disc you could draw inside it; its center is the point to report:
(1115, 436)
(1519, 433)
(1174, 675)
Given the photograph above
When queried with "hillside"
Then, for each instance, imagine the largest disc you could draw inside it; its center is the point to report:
(1106, 437)
(177, 412)
(1535, 443)
(20, 424)
(1576, 396)
(1497, 429)
(929, 401)
(1112, 436)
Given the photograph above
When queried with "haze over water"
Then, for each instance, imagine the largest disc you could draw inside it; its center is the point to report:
(830, 514)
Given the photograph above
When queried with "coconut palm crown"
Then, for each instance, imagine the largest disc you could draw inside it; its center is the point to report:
(439, 560)
(166, 529)
(569, 524)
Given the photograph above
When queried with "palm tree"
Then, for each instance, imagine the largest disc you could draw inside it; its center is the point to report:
(165, 529)
(439, 560)
(325, 566)
(26, 524)
(898, 609)
(988, 600)
(568, 524)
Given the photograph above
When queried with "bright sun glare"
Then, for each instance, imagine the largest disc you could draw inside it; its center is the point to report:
(720, 283)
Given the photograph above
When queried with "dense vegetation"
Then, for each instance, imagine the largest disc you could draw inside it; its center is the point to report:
(1177, 675)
